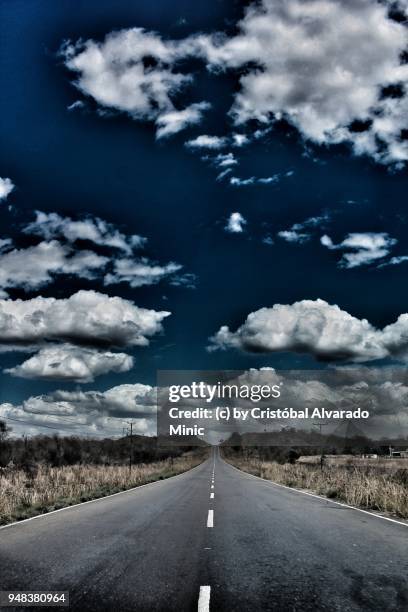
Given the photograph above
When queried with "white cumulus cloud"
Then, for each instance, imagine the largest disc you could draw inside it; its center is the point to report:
(302, 74)
(86, 412)
(131, 70)
(35, 266)
(59, 254)
(86, 318)
(292, 65)
(70, 338)
(71, 363)
(318, 328)
(135, 72)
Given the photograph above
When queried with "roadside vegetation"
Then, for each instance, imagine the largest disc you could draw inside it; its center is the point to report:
(44, 473)
(377, 484)
(24, 494)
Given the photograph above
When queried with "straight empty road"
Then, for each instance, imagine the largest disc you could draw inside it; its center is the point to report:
(212, 539)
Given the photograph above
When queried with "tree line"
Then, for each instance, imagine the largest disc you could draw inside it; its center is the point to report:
(57, 451)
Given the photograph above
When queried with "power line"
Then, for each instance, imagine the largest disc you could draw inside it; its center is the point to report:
(33, 424)
(64, 418)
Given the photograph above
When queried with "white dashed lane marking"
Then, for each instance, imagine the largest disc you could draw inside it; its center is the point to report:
(205, 591)
(204, 599)
(210, 519)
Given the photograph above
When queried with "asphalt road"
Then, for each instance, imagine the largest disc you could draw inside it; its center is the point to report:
(252, 546)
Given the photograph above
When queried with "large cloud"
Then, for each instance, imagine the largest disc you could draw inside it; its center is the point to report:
(85, 412)
(134, 71)
(323, 65)
(87, 318)
(318, 328)
(136, 399)
(331, 68)
(71, 337)
(71, 363)
(36, 266)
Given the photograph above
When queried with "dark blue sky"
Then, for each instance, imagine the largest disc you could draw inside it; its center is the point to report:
(78, 162)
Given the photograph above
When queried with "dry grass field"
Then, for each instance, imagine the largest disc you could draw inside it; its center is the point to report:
(23, 496)
(379, 463)
(380, 485)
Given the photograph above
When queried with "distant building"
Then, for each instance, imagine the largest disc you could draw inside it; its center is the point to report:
(399, 454)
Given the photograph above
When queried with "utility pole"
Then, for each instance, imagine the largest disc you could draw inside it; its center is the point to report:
(320, 425)
(130, 446)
